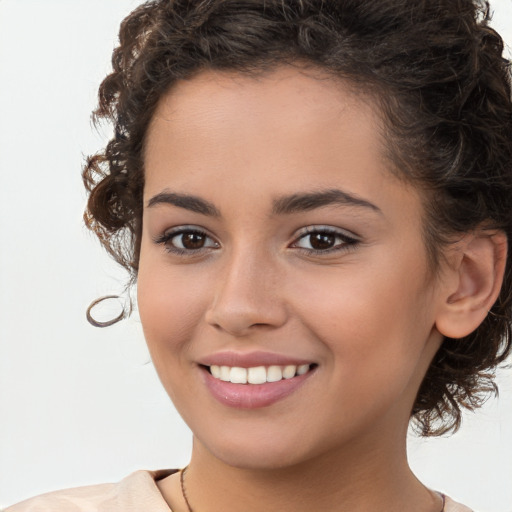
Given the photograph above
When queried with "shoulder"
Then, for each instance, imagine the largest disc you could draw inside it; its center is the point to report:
(136, 492)
(452, 506)
(70, 500)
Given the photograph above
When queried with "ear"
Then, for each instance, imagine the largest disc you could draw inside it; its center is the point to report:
(473, 282)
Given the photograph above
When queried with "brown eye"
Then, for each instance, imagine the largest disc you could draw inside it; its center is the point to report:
(185, 240)
(192, 240)
(322, 241)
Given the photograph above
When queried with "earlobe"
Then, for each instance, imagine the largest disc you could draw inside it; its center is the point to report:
(474, 283)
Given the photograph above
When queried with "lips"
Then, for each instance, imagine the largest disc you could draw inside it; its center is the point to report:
(254, 380)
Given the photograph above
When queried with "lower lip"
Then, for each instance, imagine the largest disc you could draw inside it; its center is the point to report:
(252, 396)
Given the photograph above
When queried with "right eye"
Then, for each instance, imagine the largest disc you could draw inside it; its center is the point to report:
(186, 240)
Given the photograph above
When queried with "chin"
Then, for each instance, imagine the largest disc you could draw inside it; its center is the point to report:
(257, 459)
(260, 452)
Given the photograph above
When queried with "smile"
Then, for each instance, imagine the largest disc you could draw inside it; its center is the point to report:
(253, 387)
(257, 374)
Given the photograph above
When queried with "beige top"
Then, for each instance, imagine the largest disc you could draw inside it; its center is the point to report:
(138, 492)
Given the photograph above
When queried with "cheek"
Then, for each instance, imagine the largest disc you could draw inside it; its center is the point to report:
(374, 319)
(171, 305)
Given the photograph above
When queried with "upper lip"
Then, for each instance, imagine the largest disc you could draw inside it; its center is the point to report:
(251, 359)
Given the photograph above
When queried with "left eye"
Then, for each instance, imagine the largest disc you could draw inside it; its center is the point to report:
(324, 241)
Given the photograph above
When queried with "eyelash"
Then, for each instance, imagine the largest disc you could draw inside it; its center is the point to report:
(167, 237)
(347, 242)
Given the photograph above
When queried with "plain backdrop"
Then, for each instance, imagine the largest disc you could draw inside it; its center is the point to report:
(81, 405)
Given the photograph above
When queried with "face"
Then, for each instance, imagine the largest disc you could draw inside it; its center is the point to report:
(278, 248)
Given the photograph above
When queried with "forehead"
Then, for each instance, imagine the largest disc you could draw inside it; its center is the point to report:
(285, 131)
(279, 89)
(293, 98)
(288, 117)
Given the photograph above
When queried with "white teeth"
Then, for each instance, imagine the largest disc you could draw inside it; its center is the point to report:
(257, 374)
(224, 373)
(302, 369)
(274, 374)
(238, 375)
(289, 371)
(215, 371)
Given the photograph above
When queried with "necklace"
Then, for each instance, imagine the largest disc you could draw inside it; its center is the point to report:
(184, 494)
(442, 496)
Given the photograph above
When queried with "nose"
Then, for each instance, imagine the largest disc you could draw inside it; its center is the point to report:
(248, 296)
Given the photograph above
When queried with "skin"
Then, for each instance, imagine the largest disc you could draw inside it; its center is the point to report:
(365, 314)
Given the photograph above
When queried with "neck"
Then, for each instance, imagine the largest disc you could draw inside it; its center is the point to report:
(364, 477)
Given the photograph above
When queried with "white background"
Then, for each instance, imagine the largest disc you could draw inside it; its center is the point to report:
(80, 405)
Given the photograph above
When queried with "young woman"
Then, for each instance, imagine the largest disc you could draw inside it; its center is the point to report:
(313, 198)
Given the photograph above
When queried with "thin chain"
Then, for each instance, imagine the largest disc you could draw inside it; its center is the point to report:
(184, 494)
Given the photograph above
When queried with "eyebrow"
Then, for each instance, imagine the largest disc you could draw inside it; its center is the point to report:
(312, 200)
(286, 205)
(186, 201)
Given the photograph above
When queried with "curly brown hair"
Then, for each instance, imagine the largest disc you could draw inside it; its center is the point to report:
(437, 71)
